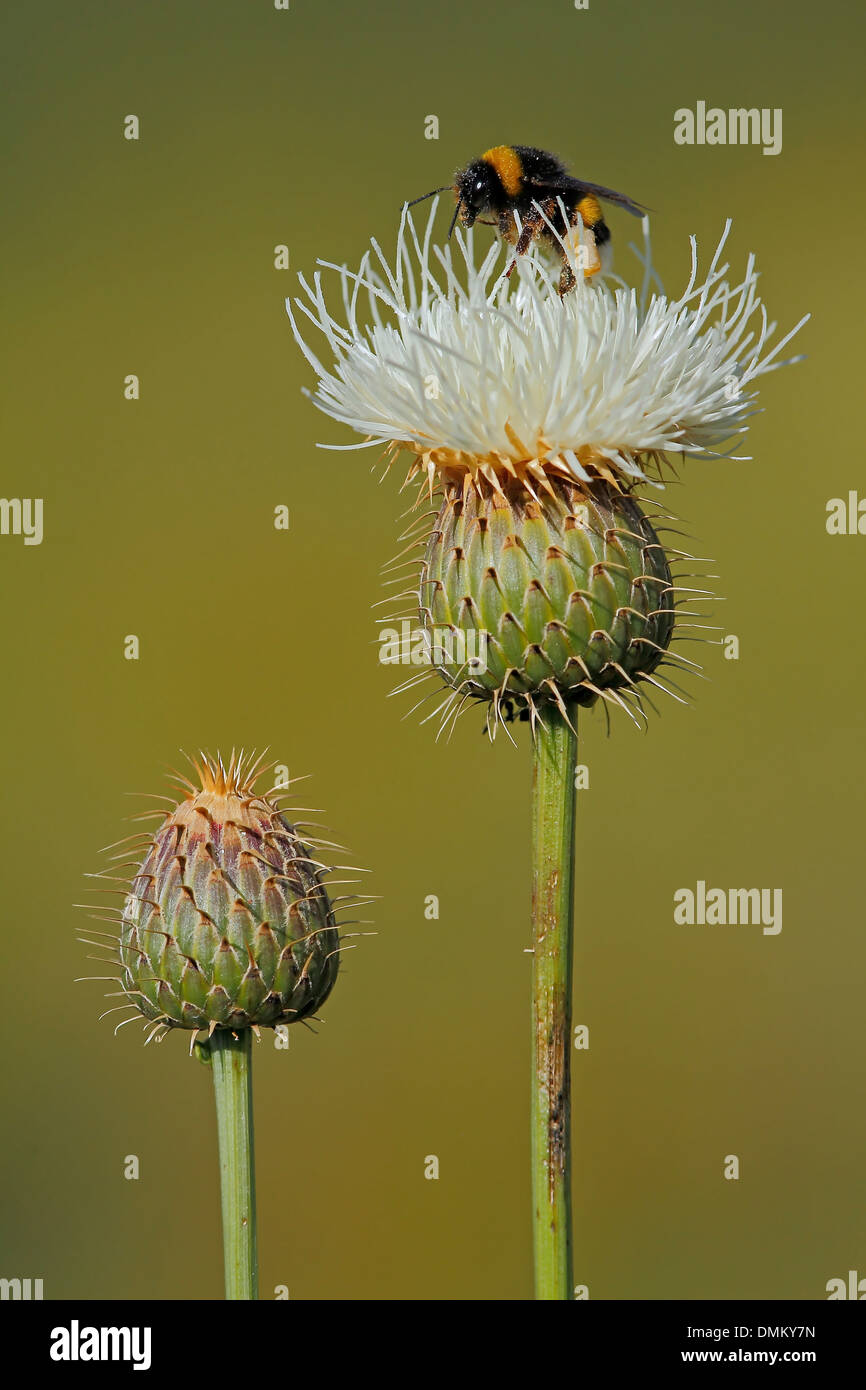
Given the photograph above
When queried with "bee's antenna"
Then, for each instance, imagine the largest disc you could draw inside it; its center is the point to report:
(454, 218)
(424, 196)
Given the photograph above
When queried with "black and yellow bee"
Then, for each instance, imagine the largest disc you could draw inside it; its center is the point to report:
(522, 180)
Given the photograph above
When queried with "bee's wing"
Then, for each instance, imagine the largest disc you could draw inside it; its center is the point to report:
(570, 185)
(618, 199)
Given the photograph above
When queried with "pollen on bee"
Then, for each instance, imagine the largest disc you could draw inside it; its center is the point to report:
(582, 245)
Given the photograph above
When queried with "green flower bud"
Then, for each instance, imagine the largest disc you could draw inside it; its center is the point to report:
(561, 596)
(226, 922)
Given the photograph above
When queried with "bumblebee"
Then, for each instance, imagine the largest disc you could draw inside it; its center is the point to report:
(514, 182)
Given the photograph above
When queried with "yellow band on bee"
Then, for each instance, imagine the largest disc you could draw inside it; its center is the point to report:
(590, 210)
(506, 162)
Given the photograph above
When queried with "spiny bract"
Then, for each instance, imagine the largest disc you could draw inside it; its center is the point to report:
(568, 594)
(226, 922)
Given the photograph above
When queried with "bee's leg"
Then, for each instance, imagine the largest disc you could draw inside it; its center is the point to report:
(507, 226)
(567, 279)
(508, 232)
(531, 227)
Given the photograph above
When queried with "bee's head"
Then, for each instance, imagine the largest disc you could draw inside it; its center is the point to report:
(475, 188)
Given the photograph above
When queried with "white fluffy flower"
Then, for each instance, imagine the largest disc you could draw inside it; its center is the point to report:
(477, 374)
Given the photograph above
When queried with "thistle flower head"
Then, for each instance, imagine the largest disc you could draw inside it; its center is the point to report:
(534, 416)
(439, 355)
(225, 921)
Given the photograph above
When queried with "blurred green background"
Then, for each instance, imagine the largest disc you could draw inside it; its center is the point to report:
(260, 127)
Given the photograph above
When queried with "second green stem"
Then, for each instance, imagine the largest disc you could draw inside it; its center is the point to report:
(231, 1058)
(553, 801)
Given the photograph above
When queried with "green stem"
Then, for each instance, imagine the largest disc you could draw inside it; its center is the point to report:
(553, 797)
(231, 1058)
